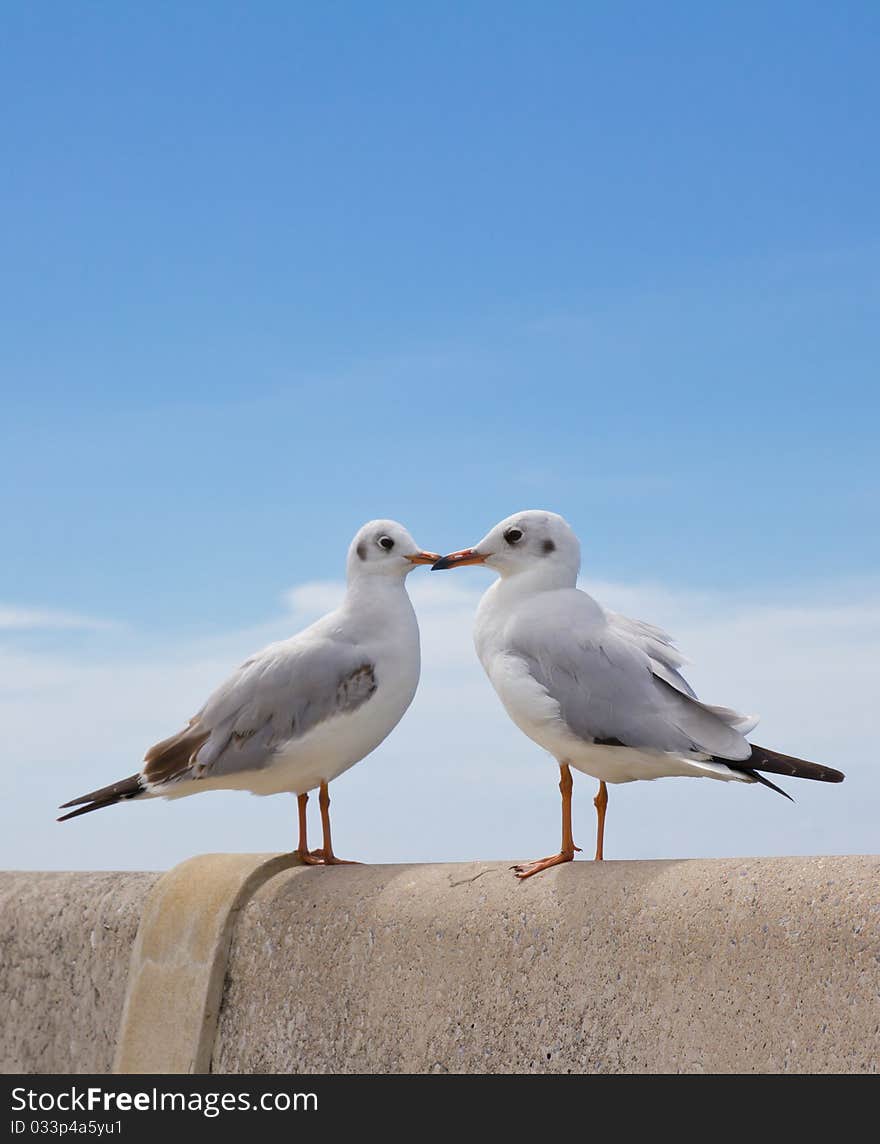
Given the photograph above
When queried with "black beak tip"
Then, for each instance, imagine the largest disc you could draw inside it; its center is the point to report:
(443, 562)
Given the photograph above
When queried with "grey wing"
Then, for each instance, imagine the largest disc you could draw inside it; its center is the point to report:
(658, 645)
(276, 696)
(611, 689)
(666, 660)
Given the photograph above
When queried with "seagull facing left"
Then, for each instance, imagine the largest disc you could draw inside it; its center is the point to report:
(598, 691)
(300, 712)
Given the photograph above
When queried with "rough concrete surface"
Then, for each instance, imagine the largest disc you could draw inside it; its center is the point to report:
(750, 965)
(65, 942)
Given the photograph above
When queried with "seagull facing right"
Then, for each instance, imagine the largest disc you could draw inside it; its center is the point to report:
(601, 692)
(297, 714)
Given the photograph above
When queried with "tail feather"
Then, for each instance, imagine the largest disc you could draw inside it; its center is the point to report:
(106, 796)
(763, 759)
(759, 778)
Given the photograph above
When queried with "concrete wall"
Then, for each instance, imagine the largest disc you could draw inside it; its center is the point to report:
(65, 944)
(752, 965)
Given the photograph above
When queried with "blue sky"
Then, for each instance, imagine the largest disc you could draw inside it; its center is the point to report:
(268, 271)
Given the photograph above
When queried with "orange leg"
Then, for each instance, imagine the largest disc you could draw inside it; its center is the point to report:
(600, 802)
(567, 851)
(302, 851)
(326, 854)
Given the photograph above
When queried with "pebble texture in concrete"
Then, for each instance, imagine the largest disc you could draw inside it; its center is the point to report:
(65, 944)
(749, 965)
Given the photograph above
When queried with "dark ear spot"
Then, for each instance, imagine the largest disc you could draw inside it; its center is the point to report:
(361, 550)
(548, 546)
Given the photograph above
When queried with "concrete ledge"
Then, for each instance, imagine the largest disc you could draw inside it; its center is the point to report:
(179, 961)
(753, 965)
(65, 943)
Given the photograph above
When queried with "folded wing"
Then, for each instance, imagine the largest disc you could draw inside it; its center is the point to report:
(617, 680)
(274, 698)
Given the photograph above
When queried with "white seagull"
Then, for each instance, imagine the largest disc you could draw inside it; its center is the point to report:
(601, 692)
(300, 712)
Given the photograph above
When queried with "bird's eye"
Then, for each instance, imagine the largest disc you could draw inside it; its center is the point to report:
(513, 535)
(385, 542)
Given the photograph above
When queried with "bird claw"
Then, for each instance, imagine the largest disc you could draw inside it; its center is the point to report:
(525, 870)
(320, 858)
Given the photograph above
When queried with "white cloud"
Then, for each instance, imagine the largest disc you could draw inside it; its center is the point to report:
(313, 599)
(456, 779)
(13, 618)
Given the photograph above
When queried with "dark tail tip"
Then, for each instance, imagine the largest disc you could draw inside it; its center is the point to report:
(763, 759)
(106, 796)
(766, 782)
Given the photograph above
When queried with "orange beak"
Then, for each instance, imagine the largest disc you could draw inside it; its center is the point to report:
(423, 558)
(458, 559)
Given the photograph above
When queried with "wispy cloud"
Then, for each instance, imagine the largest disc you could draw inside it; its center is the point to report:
(315, 598)
(16, 618)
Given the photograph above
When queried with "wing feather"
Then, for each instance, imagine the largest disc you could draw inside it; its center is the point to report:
(275, 697)
(615, 678)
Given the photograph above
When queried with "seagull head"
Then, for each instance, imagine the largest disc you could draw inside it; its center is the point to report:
(385, 548)
(532, 541)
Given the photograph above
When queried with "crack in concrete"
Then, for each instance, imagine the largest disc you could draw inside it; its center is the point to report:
(463, 881)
